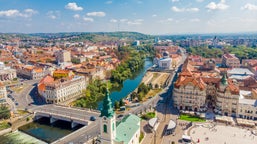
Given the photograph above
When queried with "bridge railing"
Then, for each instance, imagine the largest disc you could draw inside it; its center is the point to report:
(61, 115)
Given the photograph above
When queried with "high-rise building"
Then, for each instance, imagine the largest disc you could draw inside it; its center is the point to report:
(63, 56)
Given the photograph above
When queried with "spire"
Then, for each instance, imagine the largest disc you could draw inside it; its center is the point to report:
(107, 109)
(224, 80)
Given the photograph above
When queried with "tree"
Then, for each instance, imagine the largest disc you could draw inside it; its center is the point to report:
(121, 102)
(116, 105)
(133, 95)
(4, 112)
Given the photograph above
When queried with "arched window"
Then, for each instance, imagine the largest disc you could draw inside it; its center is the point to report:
(105, 128)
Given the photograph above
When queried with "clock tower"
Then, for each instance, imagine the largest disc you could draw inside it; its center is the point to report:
(107, 121)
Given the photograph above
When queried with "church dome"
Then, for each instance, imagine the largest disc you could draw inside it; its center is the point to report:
(165, 54)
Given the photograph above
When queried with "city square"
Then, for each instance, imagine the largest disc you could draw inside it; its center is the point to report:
(222, 134)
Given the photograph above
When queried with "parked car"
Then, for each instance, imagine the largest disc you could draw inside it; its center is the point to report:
(92, 118)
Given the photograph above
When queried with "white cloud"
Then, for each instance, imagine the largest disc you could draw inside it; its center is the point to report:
(96, 14)
(195, 20)
(73, 6)
(87, 19)
(53, 14)
(154, 15)
(176, 9)
(135, 22)
(10, 13)
(170, 19)
(217, 6)
(123, 20)
(76, 16)
(174, 0)
(113, 20)
(250, 7)
(16, 13)
(108, 2)
(199, 0)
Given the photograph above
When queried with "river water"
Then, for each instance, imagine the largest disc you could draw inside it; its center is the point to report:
(129, 85)
(39, 132)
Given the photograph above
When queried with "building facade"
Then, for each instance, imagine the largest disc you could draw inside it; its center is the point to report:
(3, 93)
(31, 72)
(6, 73)
(61, 90)
(63, 56)
(230, 61)
(195, 92)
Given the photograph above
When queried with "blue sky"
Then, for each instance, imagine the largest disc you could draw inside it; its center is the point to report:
(146, 16)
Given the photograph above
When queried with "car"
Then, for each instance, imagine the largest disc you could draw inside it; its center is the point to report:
(16, 103)
(92, 118)
(120, 116)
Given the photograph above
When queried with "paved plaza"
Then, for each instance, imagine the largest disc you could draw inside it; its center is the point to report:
(221, 134)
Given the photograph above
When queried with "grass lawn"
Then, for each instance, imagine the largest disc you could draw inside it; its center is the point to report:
(151, 93)
(148, 116)
(4, 125)
(191, 118)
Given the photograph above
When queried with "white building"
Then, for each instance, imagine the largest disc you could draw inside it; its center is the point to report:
(6, 73)
(61, 90)
(3, 93)
(164, 62)
(247, 105)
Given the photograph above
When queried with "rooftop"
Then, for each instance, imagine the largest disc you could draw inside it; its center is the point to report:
(240, 71)
(127, 128)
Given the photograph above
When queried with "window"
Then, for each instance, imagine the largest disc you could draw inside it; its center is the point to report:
(105, 128)
(113, 126)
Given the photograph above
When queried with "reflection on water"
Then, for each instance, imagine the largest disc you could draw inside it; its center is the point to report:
(19, 137)
(39, 131)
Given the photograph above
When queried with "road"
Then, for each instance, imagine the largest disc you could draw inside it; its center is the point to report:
(28, 95)
(166, 112)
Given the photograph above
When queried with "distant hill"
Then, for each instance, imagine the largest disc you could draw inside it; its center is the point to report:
(82, 36)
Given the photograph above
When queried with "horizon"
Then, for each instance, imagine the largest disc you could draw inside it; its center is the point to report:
(151, 17)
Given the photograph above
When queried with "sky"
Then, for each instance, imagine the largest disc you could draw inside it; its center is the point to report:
(145, 16)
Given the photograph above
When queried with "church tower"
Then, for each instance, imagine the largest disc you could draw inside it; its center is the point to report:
(107, 121)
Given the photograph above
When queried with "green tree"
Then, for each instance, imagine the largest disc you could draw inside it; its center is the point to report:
(116, 105)
(121, 102)
(4, 112)
(133, 95)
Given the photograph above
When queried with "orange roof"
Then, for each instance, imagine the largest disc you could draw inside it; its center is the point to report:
(232, 87)
(61, 71)
(1, 84)
(182, 81)
(38, 70)
(47, 79)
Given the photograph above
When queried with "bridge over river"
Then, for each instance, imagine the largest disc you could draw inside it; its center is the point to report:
(75, 116)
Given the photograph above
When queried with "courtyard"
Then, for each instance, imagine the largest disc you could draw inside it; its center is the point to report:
(221, 134)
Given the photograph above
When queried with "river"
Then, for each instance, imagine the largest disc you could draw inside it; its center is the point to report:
(129, 85)
(39, 132)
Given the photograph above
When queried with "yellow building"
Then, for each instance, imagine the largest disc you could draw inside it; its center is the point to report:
(57, 74)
